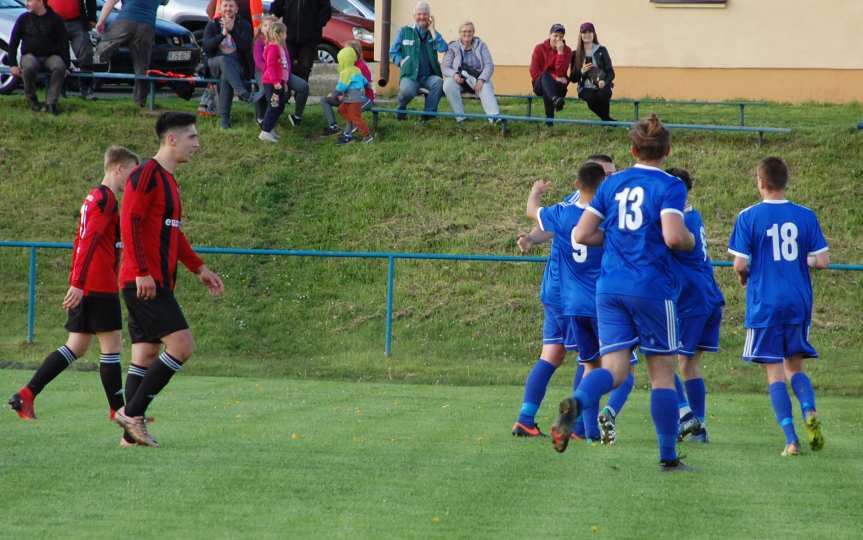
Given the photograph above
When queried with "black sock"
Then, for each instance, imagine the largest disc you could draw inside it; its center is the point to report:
(53, 364)
(112, 379)
(154, 381)
(134, 377)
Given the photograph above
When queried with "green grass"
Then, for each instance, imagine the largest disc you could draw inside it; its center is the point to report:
(264, 458)
(433, 188)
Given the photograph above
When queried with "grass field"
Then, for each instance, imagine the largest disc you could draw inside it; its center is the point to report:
(433, 188)
(265, 458)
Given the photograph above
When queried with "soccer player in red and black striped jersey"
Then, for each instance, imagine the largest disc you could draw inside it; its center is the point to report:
(154, 242)
(92, 301)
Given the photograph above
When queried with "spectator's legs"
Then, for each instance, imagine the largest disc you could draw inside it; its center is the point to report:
(303, 56)
(226, 93)
(488, 99)
(273, 112)
(329, 116)
(30, 66)
(260, 98)
(79, 38)
(434, 84)
(119, 34)
(140, 48)
(408, 89)
(598, 101)
(550, 90)
(232, 73)
(301, 93)
(452, 90)
(57, 67)
(352, 112)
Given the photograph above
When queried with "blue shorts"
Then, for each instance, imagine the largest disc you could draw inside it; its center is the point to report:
(553, 325)
(774, 344)
(582, 336)
(629, 321)
(700, 333)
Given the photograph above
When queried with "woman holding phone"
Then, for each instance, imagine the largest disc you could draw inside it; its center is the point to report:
(593, 73)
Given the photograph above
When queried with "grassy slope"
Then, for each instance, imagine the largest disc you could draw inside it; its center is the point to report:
(434, 188)
(270, 458)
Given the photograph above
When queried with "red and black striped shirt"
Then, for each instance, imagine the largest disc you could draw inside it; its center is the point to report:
(96, 251)
(150, 228)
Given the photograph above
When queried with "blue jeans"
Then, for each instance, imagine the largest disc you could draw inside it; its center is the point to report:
(409, 88)
(230, 74)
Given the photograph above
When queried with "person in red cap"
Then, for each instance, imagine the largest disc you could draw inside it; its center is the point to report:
(592, 71)
(548, 70)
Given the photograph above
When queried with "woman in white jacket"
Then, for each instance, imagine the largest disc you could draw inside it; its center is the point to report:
(468, 67)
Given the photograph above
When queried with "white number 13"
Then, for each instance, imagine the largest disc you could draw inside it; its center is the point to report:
(630, 218)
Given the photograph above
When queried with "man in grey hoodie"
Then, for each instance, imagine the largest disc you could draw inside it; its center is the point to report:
(467, 67)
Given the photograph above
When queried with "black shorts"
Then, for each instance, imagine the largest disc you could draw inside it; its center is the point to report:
(97, 312)
(151, 320)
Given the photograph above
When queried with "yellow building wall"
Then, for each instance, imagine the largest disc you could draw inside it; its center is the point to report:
(782, 50)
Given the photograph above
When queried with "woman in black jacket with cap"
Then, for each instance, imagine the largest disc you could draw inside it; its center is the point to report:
(593, 73)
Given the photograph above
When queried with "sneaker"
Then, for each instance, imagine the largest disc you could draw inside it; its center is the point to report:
(812, 426)
(700, 435)
(791, 450)
(205, 112)
(689, 424)
(34, 105)
(368, 139)
(558, 103)
(87, 94)
(608, 434)
(294, 120)
(126, 441)
(344, 139)
(53, 108)
(22, 403)
(674, 465)
(562, 428)
(268, 136)
(524, 430)
(332, 129)
(136, 426)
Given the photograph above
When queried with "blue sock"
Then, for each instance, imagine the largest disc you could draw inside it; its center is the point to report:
(681, 393)
(663, 409)
(534, 391)
(782, 407)
(617, 398)
(802, 387)
(578, 428)
(590, 421)
(697, 394)
(597, 383)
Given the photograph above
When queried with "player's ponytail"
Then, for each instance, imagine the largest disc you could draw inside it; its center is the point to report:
(650, 139)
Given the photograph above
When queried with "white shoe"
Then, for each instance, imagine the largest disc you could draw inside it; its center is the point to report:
(268, 136)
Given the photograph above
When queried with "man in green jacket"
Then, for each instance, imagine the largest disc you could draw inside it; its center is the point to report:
(415, 51)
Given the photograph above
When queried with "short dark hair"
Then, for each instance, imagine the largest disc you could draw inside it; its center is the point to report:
(172, 120)
(650, 138)
(604, 158)
(774, 172)
(590, 175)
(683, 174)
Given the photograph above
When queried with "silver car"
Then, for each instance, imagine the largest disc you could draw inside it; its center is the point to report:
(190, 14)
(10, 10)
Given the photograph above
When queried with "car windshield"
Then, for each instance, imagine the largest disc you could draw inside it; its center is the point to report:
(10, 4)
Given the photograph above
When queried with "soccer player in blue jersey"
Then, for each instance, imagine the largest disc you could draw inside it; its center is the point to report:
(553, 350)
(637, 216)
(699, 312)
(579, 272)
(774, 244)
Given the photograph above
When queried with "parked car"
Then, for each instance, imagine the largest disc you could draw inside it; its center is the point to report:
(190, 14)
(342, 28)
(357, 8)
(175, 48)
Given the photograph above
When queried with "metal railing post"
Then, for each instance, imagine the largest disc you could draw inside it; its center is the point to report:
(742, 114)
(31, 295)
(391, 278)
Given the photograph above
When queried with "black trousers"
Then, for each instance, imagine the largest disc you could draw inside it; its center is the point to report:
(598, 100)
(548, 88)
(303, 56)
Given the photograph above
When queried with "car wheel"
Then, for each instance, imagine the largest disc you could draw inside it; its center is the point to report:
(8, 83)
(326, 54)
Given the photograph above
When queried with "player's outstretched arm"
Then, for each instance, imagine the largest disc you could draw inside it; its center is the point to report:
(525, 241)
(675, 233)
(587, 231)
(741, 267)
(533, 200)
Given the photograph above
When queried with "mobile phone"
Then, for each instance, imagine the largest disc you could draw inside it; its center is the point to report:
(588, 59)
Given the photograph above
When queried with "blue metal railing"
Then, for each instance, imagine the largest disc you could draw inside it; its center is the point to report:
(389, 256)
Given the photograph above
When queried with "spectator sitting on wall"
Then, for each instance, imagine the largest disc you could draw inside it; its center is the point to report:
(548, 67)
(41, 34)
(228, 45)
(305, 21)
(79, 17)
(592, 72)
(468, 67)
(415, 52)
